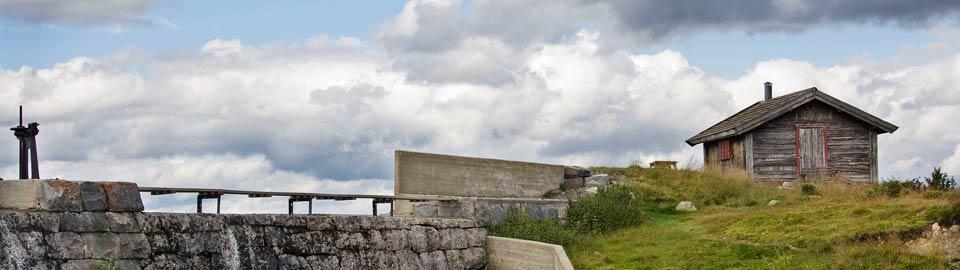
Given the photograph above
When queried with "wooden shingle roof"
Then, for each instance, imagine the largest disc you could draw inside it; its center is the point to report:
(763, 111)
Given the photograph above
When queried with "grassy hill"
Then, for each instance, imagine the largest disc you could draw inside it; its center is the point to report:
(829, 226)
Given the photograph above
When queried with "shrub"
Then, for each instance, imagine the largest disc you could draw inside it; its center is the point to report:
(913, 184)
(519, 225)
(891, 188)
(808, 189)
(612, 208)
(940, 181)
(945, 215)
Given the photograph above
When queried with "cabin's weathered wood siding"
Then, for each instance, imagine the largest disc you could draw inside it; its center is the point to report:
(711, 154)
(850, 149)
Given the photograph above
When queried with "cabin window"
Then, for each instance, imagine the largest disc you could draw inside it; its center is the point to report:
(726, 149)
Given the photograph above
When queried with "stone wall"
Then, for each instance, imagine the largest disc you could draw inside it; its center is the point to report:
(85, 240)
(55, 224)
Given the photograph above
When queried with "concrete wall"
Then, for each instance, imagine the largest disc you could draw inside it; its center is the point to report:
(485, 211)
(509, 254)
(433, 174)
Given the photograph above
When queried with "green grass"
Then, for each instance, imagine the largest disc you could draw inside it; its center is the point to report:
(844, 227)
(817, 222)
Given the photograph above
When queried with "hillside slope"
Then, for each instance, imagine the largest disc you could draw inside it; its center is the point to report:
(830, 226)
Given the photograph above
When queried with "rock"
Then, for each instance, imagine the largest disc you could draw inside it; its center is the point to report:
(935, 227)
(31, 242)
(65, 246)
(454, 259)
(135, 246)
(349, 261)
(407, 260)
(347, 223)
(123, 197)
(786, 185)
(433, 260)
(573, 183)
(955, 228)
(93, 197)
(128, 264)
(350, 241)
(100, 245)
(590, 190)
(686, 206)
(293, 262)
(575, 171)
(323, 262)
(394, 239)
(597, 180)
(81, 265)
(60, 196)
(476, 237)
(84, 222)
(474, 258)
(377, 260)
(773, 203)
(123, 222)
(423, 238)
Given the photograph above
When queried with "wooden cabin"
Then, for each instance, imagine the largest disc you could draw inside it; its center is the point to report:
(802, 135)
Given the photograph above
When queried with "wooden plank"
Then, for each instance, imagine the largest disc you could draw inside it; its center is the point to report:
(873, 157)
(748, 152)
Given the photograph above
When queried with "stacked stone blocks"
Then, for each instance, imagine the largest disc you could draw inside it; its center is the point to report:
(85, 229)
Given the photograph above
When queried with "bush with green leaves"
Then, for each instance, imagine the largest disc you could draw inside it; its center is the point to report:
(945, 215)
(612, 208)
(891, 188)
(913, 184)
(521, 226)
(808, 189)
(940, 181)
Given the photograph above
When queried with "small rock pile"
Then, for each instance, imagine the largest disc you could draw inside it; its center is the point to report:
(939, 240)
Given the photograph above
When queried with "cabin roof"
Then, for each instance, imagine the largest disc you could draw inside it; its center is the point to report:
(763, 111)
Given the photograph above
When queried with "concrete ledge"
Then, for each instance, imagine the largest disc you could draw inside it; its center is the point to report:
(508, 254)
(69, 196)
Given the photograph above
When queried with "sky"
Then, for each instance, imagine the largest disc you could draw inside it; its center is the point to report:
(315, 96)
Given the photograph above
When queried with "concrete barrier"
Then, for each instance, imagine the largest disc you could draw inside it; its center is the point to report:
(508, 254)
(487, 211)
(434, 174)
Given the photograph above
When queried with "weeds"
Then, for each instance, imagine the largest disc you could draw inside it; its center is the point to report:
(521, 226)
(612, 208)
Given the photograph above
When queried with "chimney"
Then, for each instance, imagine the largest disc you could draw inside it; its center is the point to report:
(767, 91)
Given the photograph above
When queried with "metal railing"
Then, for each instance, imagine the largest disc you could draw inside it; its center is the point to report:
(294, 197)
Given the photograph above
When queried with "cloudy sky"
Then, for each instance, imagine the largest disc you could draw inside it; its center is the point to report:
(315, 96)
